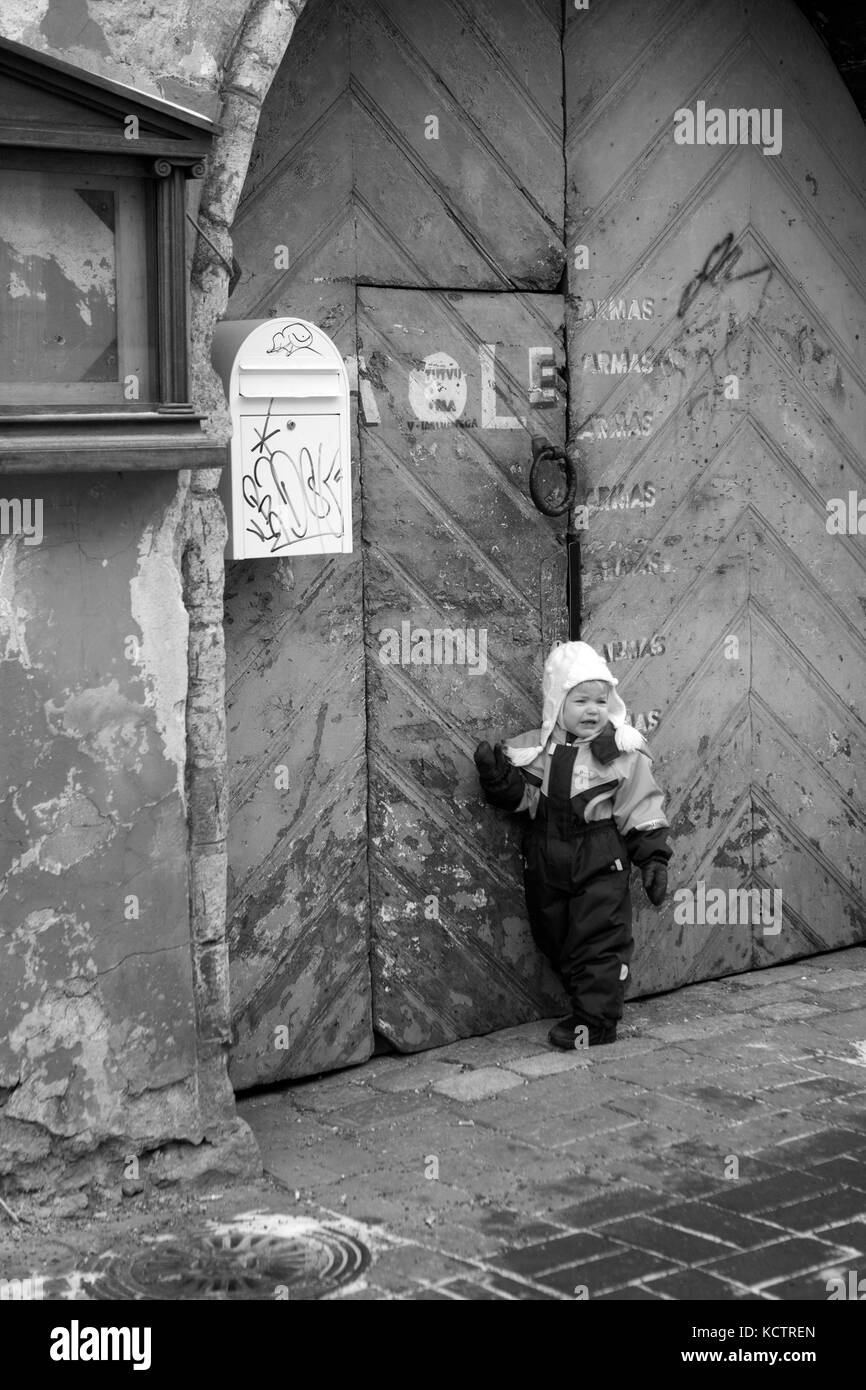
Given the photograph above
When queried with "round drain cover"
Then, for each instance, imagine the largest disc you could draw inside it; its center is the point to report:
(234, 1262)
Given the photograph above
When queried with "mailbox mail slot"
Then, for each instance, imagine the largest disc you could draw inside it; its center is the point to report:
(288, 488)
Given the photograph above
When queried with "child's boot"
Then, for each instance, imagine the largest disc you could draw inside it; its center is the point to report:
(577, 1032)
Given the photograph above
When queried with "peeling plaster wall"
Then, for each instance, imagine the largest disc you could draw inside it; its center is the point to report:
(113, 1026)
(98, 1036)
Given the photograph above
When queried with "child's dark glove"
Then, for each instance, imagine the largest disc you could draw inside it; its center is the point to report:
(501, 782)
(655, 881)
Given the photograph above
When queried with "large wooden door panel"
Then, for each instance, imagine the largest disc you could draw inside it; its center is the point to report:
(716, 363)
(452, 542)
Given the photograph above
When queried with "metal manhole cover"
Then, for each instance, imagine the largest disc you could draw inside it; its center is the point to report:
(286, 1257)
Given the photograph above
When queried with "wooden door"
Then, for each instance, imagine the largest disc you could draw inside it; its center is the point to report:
(415, 144)
(718, 395)
(457, 564)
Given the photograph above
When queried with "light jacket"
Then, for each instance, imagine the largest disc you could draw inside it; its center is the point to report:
(607, 784)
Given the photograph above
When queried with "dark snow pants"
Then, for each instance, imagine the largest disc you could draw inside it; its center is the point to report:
(576, 879)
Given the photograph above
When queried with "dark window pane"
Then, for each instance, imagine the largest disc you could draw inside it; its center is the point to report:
(58, 281)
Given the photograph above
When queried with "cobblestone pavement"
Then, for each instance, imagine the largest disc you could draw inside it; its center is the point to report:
(717, 1151)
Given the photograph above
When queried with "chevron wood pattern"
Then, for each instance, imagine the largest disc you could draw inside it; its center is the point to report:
(452, 543)
(410, 142)
(718, 396)
(344, 187)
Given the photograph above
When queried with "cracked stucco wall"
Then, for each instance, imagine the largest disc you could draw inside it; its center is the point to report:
(98, 1038)
(114, 1004)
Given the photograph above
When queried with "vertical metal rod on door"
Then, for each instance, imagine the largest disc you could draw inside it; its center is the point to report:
(550, 505)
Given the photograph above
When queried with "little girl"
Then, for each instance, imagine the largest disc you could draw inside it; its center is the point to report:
(595, 809)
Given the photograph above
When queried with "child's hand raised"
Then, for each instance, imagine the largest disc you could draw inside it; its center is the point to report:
(491, 762)
(501, 783)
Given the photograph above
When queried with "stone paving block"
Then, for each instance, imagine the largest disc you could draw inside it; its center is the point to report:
(318, 1096)
(470, 1291)
(572, 1092)
(696, 1284)
(713, 1148)
(581, 1132)
(666, 1111)
(851, 1024)
(737, 1000)
(400, 1216)
(606, 1206)
(828, 1144)
(609, 1272)
(533, 1260)
(718, 1101)
(848, 1172)
(667, 1065)
(756, 1268)
(429, 1296)
(782, 1189)
(851, 1115)
(846, 1204)
(314, 1167)
(830, 981)
(624, 1047)
(789, 1011)
(851, 1234)
(654, 1171)
(546, 1197)
(696, 1028)
(839, 1058)
(362, 1294)
(842, 999)
(477, 1085)
(409, 1264)
(513, 1289)
(565, 1099)
(548, 1063)
(454, 1235)
(734, 1050)
(513, 1228)
(653, 1233)
(755, 1133)
(772, 974)
(376, 1110)
(414, 1076)
(804, 1288)
(631, 1293)
(643, 1137)
(739, 1232)
(798, 1093)
(757, 1079)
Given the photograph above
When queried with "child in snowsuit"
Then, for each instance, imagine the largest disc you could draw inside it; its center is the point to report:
(595, 809)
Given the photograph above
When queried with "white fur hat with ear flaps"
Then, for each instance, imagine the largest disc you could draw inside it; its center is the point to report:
(570, 664)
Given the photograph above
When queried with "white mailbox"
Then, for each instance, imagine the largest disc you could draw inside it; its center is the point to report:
(288, 490)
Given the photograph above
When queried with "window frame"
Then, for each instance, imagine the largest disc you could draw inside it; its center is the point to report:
(76, 122)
